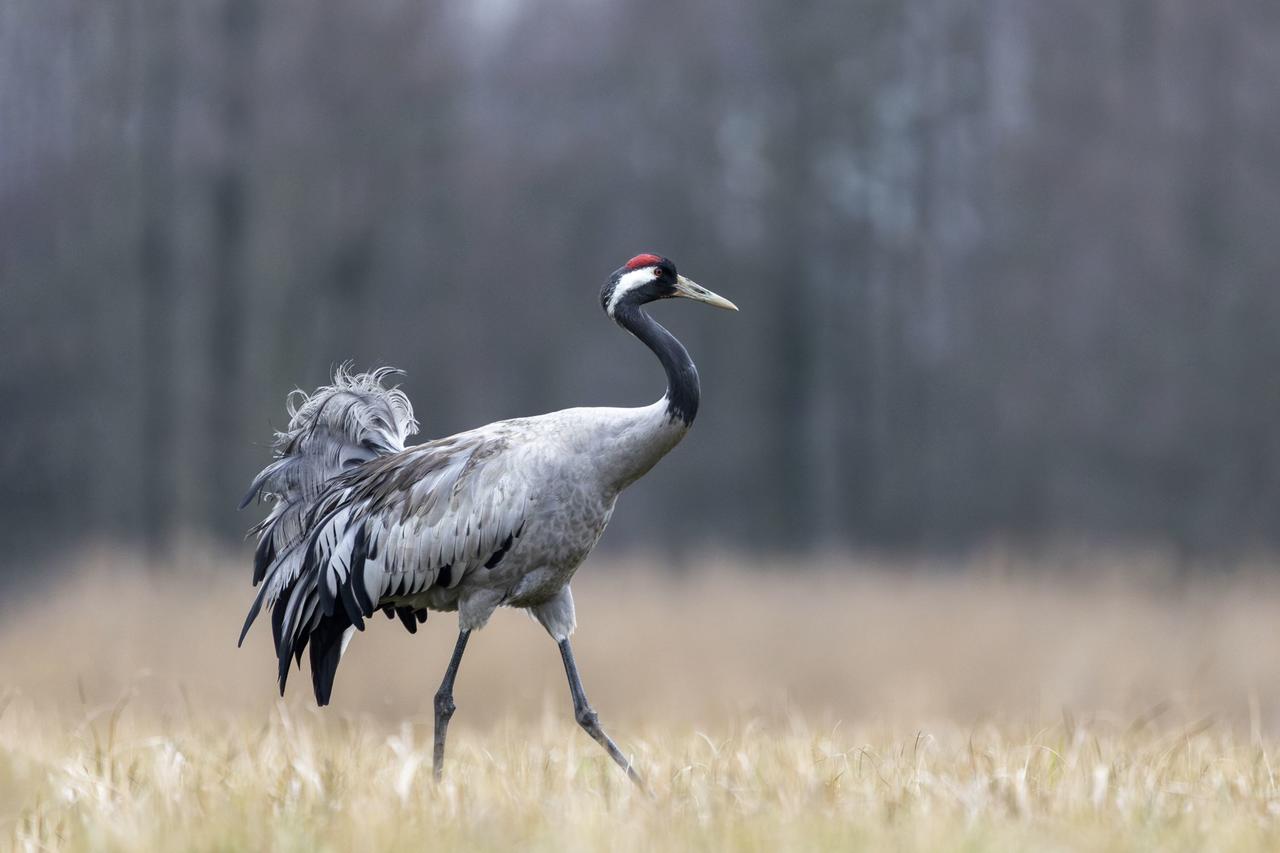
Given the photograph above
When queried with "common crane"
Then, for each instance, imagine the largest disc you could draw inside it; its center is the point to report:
(500, 515)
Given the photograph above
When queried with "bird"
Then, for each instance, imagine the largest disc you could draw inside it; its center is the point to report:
(498, 516)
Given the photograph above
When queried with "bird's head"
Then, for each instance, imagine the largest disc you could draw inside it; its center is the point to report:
(646, 278)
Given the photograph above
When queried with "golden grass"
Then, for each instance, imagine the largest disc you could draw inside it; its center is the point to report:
(298, 782)
(987, 707)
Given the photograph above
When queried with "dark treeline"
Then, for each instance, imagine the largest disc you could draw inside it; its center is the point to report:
(1007, 268)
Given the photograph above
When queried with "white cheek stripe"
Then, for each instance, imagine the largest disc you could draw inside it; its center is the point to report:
(629, 282)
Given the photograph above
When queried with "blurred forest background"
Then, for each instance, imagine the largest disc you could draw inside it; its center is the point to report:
(1008, 270)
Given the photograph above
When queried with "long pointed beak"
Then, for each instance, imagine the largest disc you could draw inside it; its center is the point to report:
(692, 290)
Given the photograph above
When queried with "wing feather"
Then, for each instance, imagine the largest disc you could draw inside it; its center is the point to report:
(390, 529)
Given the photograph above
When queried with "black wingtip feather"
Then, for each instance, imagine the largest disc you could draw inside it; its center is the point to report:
(263, 556)
(349, 604)
(277, 619)
(282, 674)
(254, 609)
(407, 619)
(326, 653)
(355, 577)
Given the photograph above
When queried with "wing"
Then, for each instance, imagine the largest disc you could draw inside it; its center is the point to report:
(339, 426)
(391, 528)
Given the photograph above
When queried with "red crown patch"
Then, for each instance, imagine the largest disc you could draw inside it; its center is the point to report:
(645, 260)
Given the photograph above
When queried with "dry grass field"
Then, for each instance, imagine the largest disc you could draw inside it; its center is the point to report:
(987, 706)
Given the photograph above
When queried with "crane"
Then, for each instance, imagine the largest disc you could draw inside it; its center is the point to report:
(501, 515)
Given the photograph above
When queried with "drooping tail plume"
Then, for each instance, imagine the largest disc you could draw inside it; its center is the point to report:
(341, 425)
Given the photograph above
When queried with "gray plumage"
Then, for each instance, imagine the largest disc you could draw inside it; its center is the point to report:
(498, 516)
(338, 427)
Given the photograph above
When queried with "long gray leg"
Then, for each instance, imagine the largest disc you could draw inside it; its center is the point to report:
(444, 701)
(589, 720)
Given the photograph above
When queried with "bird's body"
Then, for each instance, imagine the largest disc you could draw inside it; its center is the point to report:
(511, 508)
(574, 463)
(502, 515)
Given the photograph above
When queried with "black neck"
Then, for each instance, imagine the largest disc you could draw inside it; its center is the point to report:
(683, 391)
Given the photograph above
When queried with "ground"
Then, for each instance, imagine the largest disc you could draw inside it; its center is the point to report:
(989, 706)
